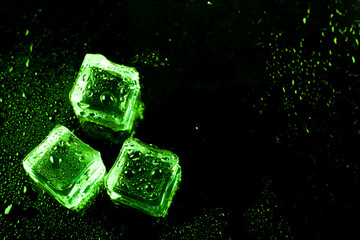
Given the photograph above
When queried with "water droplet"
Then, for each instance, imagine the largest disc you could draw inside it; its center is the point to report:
(149, 187)
(7, 210)
(83, 105)
(107, 98)
(156, 173)
(153, 195)
(81, 158)
(122, 90)
(128, 174)
(85, 77)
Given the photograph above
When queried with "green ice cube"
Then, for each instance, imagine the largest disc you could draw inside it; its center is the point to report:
(144, 177)
(106, 94)
(67, 168)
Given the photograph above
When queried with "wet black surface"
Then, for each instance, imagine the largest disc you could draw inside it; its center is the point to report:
(259, 99)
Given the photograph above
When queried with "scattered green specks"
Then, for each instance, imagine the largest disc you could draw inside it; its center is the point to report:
(338, 12)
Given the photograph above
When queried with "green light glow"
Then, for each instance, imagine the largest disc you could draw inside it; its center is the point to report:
(106, 93)
(67, 168)
(144, 177)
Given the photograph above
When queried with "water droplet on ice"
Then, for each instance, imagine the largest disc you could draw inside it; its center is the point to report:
(81, 158)
(107, 98)
(83, 105)
(149, 187)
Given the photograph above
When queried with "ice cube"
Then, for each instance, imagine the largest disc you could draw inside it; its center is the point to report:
(66, 167)
(144, 177)
(107, 95)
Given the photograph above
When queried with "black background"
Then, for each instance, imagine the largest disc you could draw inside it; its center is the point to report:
(217, 86)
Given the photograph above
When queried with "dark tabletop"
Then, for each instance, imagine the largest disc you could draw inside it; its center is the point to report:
(259, 99)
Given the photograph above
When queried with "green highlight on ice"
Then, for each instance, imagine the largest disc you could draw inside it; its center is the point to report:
(67, 168)
(106, 94)
(144, 177)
